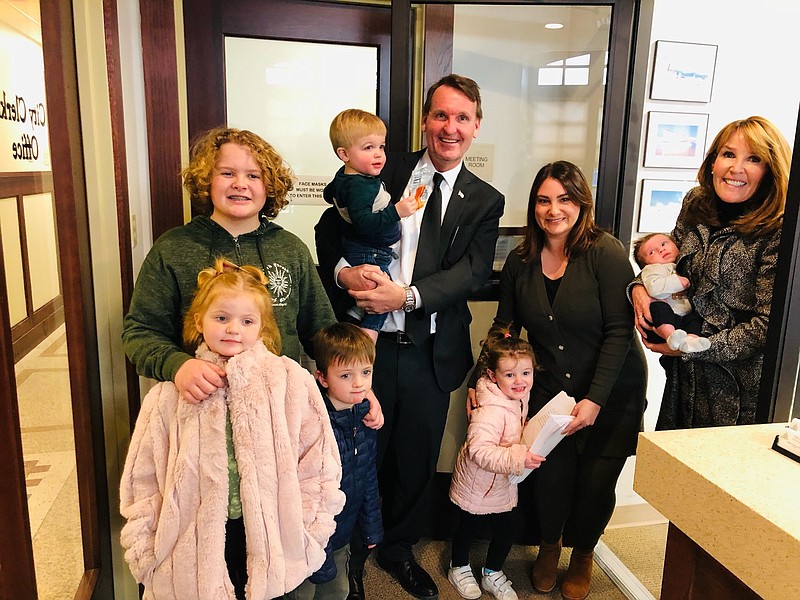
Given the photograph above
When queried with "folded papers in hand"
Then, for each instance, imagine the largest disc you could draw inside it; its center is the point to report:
(788, 441)
(543, 431)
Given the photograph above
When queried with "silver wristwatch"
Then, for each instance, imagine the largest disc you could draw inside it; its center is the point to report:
(411, 302)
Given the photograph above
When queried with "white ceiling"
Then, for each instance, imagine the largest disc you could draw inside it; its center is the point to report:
(22, 15)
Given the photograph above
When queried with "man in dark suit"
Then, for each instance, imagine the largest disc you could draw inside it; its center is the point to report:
(445, 254)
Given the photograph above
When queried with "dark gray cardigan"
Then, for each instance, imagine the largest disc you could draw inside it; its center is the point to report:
(585, 342)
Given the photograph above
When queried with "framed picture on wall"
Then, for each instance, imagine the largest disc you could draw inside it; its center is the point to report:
(675, 140)
(660, 203)
(683, 71)
(508, 240)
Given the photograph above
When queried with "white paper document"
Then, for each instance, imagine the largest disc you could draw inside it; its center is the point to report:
(543, 431)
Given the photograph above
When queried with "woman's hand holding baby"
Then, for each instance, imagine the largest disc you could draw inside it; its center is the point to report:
(641, 312)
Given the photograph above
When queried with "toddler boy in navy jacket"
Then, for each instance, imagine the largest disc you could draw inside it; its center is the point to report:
(344, 355)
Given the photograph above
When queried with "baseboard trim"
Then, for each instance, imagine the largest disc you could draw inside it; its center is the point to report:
(630, 515)
(617, 572)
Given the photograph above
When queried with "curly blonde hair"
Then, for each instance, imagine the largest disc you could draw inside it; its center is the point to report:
(226, 277)
(203, 157)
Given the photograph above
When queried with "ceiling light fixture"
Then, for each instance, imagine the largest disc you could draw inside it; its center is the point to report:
(554, 26)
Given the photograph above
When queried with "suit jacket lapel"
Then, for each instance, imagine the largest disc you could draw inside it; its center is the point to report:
(455, 207)
(401, 174)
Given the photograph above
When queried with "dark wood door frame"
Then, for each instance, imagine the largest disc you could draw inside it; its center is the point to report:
(76, 278)
(616, 113)
(206, 24)
(160, 66)
(17, 577)
(438, 62)
(400, 103)
(779, 374)
(616, 108)
(127, 277)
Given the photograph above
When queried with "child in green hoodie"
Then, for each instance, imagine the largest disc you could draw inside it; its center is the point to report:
(237, 183)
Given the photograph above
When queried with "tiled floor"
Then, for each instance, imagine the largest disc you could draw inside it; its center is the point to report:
(45, 410)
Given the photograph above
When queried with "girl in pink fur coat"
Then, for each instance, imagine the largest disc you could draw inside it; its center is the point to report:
(256, 460)
(492, 451)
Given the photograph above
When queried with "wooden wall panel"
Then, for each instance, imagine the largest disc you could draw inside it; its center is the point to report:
(160, 66)
(61, 84)
(115, 95)
(17, 577)
(439, 22)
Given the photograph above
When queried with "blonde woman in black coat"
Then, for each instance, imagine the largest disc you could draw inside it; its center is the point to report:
(728, 232)
(565, 285)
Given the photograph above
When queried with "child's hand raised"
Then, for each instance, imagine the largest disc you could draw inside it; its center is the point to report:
(533, 461)
(408, 205)
(374, 418)
(197, 379)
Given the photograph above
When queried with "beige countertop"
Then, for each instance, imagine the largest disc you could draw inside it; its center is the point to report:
(733, 495)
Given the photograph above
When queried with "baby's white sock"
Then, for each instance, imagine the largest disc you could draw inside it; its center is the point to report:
(694, 343)
(676, 338)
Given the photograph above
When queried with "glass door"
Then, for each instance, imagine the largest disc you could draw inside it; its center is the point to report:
(542, 72)
(50, 529)
(301, 63)
(292, 106)
(555, 81)
(36, 314)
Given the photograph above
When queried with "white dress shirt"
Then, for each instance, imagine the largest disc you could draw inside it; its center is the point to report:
(402, 268)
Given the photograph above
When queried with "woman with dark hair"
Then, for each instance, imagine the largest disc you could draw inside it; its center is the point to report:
(565, 285)
(728, 232)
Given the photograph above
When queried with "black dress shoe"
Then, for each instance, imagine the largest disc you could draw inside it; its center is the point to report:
(356, 581)
(414, 579)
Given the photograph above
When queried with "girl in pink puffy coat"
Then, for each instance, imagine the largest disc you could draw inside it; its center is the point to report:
(492, 451)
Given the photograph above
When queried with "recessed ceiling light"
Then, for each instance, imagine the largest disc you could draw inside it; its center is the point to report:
(554, 26)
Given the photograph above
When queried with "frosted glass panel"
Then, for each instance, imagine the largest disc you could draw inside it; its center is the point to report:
(542, 89)
(42, 254)
(12, 259)
(293, 91)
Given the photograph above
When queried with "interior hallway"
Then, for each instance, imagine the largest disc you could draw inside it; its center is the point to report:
(45, 412)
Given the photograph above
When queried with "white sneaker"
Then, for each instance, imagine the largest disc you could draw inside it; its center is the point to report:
(498, 585)
(464, 582)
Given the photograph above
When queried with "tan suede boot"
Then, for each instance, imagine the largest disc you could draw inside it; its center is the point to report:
(543, 577)
(579, 575)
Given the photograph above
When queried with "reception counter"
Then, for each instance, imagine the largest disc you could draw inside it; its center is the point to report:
(734, 509)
